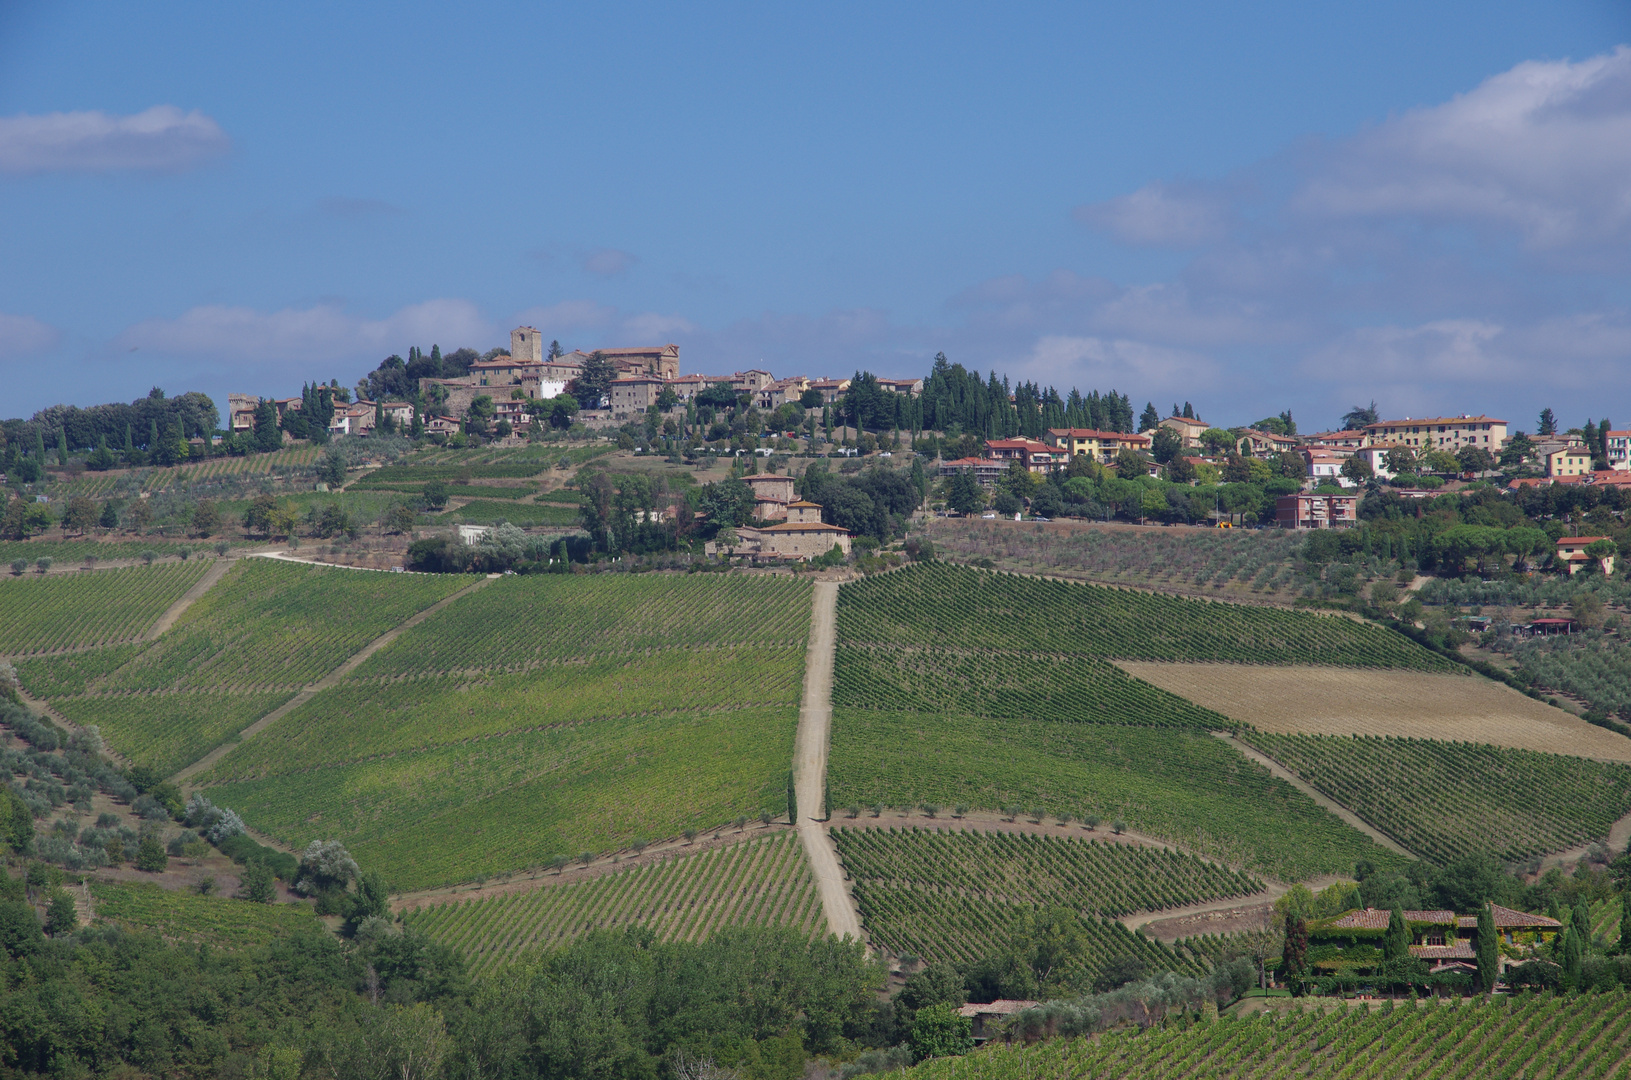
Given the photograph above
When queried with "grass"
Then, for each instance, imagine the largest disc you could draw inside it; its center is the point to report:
(512, 801)
(1184, 787)
(1531, 1036)
(42, 613)
(187, 917)
(1442, 799)
(167, 731)
(931, 605)
(686, 897)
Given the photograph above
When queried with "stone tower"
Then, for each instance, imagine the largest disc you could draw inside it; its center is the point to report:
(526, 347)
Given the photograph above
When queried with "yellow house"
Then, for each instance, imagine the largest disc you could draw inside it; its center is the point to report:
(1569, 461)
(1097, 445)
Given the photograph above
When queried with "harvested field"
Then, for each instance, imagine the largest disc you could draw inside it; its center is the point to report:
(1344, 701)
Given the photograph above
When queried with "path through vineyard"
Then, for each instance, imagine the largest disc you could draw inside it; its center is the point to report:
(1297, 782)
(810, 764)
(327, 681)
(190, 597)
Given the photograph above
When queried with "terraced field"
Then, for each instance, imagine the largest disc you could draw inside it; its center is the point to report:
(1442, 799)
(220, 922)
(1185, 787)
(1525, 1037)
(759, 881)
(41, 614)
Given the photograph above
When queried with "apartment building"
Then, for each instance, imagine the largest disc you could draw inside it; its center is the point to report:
(1442, 432)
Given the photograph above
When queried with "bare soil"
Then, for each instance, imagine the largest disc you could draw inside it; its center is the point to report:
(1354, 701)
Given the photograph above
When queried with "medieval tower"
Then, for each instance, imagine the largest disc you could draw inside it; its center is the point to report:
(526, 347)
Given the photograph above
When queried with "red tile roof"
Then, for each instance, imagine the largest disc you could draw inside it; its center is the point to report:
(1461, 950)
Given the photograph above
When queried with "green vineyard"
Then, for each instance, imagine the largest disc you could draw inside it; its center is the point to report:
(521, 621)
(506, 802)
(292, 457)
(69, 611)
(167, 731)
(1187, 788)
(932, 604)
(277, 624)
(960, 929)
(1100, 878)
(188, 917)
(364, 718)
(761, 881)
(1442, 799)
(1004, 684)
(492, 511)
(1524, 1038)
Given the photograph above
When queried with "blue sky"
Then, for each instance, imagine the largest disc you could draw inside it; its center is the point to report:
(1292, 205)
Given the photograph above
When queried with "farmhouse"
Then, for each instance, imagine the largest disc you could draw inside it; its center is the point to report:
(772, 492)
(1443, 939)
(986, 1016)
(1571, 552)
(801, 537)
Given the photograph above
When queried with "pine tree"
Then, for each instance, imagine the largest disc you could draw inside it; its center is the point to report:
(1189, 411)
(1547, 423)
(1149, 418)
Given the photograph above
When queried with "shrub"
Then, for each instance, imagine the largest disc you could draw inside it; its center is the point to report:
(150, 856)
(258, 885)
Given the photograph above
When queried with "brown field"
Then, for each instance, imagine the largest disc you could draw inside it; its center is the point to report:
(1349, 701)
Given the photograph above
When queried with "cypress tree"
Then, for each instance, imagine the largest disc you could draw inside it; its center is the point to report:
(1574, 958)
(153, 435)
(62, 447)
(39, 446)
(1396, 942)
(130, 445)
(1489, 950)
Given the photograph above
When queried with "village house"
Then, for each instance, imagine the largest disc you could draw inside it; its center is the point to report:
(1442, 432)
(1571, 552)
(443, 425)
(831, 390)
(659, 361)
(986, 470)
(634, 394)
(1102, 446)
(1343, 442)
(1375, 455)
(1325, 466)
(1571, 460)
(909, 387)
(1617, 449)
(1037, 457)
(1254, 443)
(1188, 429)
(774, 395)
(1309, 511)
(241, 412)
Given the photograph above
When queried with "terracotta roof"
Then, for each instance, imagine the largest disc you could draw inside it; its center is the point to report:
(975, 461)
(768, 476)
(804, 526)
(1095, 433)
(1447, 420)
(1506, 917)
(805, 502)
(1578, 541)
(1461, 950)
(1000, 1007)
(1377, 919)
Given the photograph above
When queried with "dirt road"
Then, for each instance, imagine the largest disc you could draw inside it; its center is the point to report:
(1297, 782)
(191, 596)
(327, 681)
(810, 764)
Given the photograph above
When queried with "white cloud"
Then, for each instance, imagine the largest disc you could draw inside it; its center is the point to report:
(325, 332)
(1135, 366)
(1543, 150)
(607, 262)
(21, 335)
(568, 315)
(651, 328)
(161, 138)
(1161, 215)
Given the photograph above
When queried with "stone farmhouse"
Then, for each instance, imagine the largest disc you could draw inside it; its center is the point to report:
(801, 537)
(773, 493)
(1445, 940)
